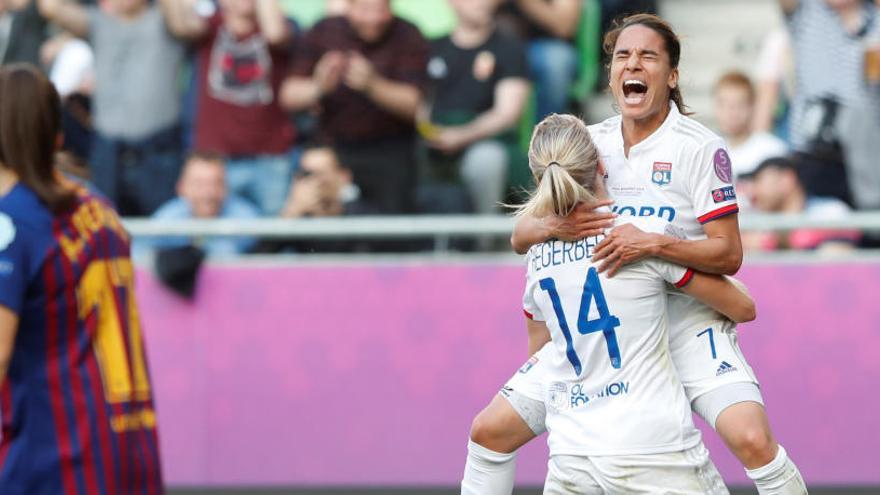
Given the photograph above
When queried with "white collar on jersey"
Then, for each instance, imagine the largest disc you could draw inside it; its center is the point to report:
(671, 118)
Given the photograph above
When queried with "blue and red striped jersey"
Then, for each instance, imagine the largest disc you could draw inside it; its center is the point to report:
(77, 407)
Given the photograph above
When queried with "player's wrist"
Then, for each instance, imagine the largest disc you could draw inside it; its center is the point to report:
(659, 244)
(548, 228)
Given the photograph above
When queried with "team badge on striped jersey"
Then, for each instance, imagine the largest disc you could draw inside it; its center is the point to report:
(662, 173)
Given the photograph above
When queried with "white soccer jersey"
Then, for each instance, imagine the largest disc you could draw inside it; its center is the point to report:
(681, 173)
(611, 387)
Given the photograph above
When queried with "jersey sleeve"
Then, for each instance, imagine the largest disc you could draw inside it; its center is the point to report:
(13, 265)
(512, 58)
(411, 58)
(309, 50)
(676, 275)
(712, 191)
(530, 307)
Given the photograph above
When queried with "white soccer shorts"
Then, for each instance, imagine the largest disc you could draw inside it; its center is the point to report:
(688, 472)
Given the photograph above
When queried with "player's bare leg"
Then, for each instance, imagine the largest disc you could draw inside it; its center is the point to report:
(500, 428)
(496, 433)
(746, 431)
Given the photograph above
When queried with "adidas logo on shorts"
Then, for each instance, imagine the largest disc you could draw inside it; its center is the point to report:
(725, 368)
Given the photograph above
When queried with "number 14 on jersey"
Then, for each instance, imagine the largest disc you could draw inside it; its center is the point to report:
(606, 323)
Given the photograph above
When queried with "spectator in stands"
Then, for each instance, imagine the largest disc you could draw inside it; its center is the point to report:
(734, 109)
(135, 158)
(479, 89)
(324, 188)
(614, 9)
(335, 7)
(548, 27)
(243, 52)
(835, 108)
(202, 194)
(776, 188)
(364, 73)
(774, 84)
(71, 64)
(22, 32)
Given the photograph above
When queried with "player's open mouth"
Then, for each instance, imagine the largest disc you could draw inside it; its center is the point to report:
(634, 91)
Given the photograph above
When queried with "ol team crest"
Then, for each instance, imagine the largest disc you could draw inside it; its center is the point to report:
(662, 173)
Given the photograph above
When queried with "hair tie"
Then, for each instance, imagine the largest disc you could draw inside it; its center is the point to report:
(553, 163)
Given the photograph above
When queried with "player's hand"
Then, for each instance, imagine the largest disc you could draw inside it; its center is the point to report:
(329, 71)
(360, 73)
(449, 140)
(624, 245)
(583, 221)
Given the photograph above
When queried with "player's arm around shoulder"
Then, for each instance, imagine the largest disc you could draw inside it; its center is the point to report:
(586, 220)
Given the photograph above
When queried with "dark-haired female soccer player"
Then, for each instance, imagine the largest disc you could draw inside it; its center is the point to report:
(77, 408)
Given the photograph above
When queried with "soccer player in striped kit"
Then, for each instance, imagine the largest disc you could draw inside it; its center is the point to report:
(77, 407)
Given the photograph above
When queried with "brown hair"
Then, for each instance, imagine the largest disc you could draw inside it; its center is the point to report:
(737, 79)
(564, 162)
(670, 39)
(30, 122)
(205, 156)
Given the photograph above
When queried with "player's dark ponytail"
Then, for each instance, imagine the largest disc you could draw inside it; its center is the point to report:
(30, 125)
(670, 39)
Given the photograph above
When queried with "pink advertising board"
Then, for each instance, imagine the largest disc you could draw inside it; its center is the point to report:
(371, 374)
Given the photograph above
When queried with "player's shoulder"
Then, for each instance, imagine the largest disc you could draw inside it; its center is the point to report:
(23, 207)
(24, 219)
(695, 135)
(607, 127)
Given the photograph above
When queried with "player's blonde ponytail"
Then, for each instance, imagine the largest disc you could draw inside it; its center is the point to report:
(564, 162)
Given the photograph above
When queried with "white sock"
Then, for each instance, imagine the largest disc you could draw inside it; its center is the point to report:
(487, 472)
(780, 477)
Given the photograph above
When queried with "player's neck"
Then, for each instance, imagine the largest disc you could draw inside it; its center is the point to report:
(637, 130)
(8, 179)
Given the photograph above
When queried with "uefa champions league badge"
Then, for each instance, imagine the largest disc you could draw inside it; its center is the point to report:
(722, 166)
(662, 173)
(7, 231)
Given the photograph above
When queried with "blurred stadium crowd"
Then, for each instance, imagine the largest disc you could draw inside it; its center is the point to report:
(310, 108)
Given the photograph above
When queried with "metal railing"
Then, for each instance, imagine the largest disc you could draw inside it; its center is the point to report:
(440, 228)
